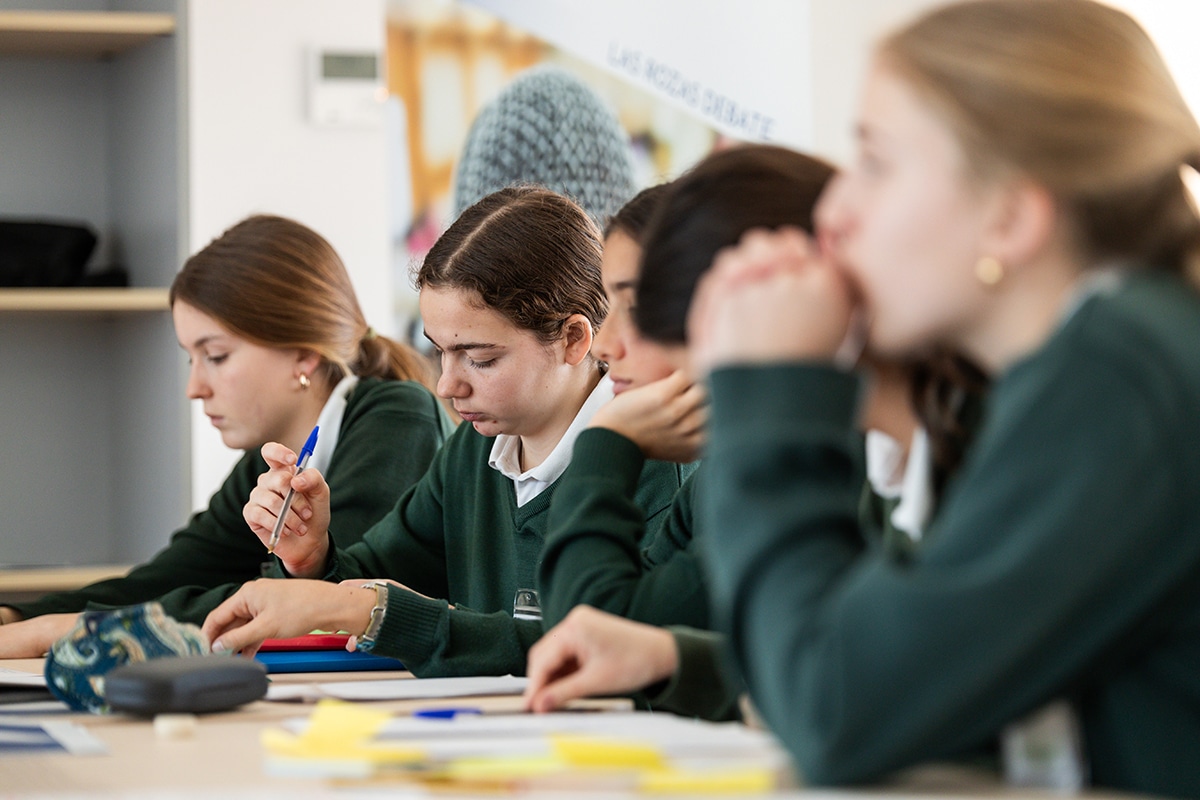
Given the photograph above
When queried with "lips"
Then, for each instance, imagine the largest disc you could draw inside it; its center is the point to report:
(620, 384)
(471, 416)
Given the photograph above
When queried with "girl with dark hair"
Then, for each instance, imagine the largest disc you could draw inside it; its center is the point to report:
(510, 297)
(595, 554)
(591, 559)
(277, 343)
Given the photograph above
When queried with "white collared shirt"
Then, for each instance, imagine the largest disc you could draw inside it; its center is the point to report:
(330, 422)
(505, 457)
(913, 485)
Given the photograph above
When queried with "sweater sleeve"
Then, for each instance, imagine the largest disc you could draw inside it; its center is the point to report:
(386, 443)
(703, 685)
(436, 641)
(1053, 544)
(592, 553)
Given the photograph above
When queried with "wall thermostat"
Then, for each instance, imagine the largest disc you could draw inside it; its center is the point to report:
(346, 88)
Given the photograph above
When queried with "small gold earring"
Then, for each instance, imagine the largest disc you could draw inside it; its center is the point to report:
(989, 271)
(304, 382)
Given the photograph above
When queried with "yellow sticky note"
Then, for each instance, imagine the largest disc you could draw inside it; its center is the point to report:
(693, 782)
(342, 722)
(340, 731)
(585, 751)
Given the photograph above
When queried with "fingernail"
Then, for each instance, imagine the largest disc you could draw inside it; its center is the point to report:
(218, 646)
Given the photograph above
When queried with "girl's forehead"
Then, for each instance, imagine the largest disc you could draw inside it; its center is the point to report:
(453, 315)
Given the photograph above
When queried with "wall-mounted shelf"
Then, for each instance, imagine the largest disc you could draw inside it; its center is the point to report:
(78, 34)
(83, 300)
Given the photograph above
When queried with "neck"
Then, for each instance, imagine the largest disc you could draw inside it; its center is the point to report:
(537, 447)
(307, 415)
(1025, 314)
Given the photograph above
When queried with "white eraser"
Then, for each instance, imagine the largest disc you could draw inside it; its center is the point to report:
(175, 726)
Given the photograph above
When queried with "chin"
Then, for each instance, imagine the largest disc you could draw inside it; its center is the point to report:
(235, 442)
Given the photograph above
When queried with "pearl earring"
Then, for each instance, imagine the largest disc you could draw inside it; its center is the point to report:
(989, 271)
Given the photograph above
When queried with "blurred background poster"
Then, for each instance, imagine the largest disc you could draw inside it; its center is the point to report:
(669, 69)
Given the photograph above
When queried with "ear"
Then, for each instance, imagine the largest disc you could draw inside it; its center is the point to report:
(307, 362)
(577, 339)
(1024, 225)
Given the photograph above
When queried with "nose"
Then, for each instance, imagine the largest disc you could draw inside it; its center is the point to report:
(608, 344)
(830, 215)
(450, 383)
(197, 386)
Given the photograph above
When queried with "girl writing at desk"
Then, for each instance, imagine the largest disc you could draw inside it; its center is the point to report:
(511, 296)
(277, 343)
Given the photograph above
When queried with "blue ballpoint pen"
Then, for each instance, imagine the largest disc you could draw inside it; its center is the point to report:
(301, 462)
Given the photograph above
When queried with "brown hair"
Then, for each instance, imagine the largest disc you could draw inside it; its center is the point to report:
(530, 254)
(710, 207)
(1074, 95)
(277, 283)
(633, 217)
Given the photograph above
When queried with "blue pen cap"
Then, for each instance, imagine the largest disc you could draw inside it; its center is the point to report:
(310, 444)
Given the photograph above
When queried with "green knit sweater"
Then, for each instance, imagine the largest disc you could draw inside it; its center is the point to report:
(459, 537)
(598, 553)
(389, 434)
(1063, 561)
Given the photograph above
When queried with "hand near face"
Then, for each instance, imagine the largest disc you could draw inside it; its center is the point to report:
(595, 653)
(665, 418)
(32, 638)
(281, 609)
(304, 542)
(770, 299)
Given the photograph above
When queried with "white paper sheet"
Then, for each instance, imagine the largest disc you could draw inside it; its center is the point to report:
(400, 689)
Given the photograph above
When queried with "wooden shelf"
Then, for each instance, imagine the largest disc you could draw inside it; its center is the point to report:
(90, 34)
(83, 300)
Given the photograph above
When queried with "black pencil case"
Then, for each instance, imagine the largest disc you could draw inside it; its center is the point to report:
(186, 684)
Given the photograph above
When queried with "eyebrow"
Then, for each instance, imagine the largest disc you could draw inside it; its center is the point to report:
(463, 346)
(621, 286)
(203, 340)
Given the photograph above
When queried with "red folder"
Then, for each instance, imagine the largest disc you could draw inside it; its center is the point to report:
(313, 641)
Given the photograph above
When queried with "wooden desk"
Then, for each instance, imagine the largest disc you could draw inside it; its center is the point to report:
(225, 756)
(19, 585)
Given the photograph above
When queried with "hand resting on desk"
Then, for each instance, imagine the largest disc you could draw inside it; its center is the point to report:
(280, 609)
(304, 543)
(593, 653)
(32, 638)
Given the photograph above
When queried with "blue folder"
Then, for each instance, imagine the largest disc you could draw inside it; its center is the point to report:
(323, 661)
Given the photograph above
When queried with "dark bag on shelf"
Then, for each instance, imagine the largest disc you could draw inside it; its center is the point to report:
(43, 253)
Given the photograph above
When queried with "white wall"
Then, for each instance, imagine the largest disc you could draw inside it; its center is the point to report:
(252, 149)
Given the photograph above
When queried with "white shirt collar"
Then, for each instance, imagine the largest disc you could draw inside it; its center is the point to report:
(330, 422)
(914, 486)
(505, 457)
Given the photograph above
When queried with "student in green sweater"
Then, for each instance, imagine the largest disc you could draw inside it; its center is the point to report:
(592, 558)
(277, 343)
(595, 553)
(1019, 195)
(510, 295)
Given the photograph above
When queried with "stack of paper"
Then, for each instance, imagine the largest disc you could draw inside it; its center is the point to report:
(635, 751)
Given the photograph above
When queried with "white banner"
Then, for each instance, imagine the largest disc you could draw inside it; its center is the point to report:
(726, 62)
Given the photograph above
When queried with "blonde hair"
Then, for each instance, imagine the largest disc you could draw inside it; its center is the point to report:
(277, 283)
(1074, 95)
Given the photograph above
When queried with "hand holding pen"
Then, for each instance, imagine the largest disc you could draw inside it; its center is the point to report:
(305, 453)
(292, 502)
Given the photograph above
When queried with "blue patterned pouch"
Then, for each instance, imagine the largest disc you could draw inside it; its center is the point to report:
(103, 640)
